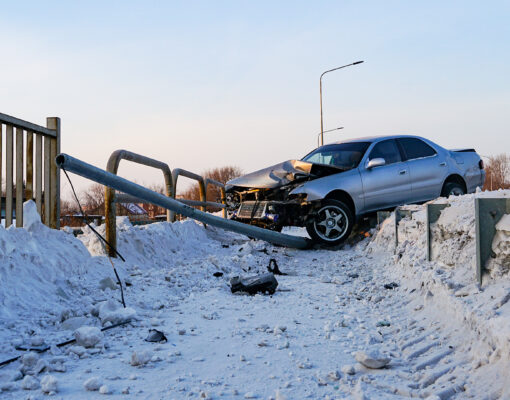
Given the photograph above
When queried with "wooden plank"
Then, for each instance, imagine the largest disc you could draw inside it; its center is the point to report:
(9, 167)
(53, 123)
(29, 188)
(19, 123)
(47, 190)
(38, 173)
(19, 178)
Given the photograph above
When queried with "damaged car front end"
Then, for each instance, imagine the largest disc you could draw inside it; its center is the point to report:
(278, 196)
(266, 197)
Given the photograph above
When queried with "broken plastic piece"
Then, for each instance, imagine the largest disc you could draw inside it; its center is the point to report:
(265, 283)
(391, 285)
(156, 336)
(275, 270)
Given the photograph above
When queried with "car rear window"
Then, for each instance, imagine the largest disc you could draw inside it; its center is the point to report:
(416, 148)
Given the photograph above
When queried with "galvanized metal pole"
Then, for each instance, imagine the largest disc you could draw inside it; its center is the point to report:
(108, 179)
(320, 92)
(322, 125)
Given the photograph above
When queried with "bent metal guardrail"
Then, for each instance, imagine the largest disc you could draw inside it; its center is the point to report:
(44, 187)
(116, 182)
(110, 195)
(111, 198)
(202, 187)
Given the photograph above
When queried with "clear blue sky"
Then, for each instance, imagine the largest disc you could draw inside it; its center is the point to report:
(201, 84)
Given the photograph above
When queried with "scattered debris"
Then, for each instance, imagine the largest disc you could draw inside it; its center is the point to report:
(391, 285)
(265, 283)
(348, 369)
(156, 336)
(274, 270)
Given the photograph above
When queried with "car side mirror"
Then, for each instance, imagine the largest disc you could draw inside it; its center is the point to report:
(376, 162)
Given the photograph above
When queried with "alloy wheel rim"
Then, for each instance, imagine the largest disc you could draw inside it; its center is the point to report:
(456, 192)
(331, 223)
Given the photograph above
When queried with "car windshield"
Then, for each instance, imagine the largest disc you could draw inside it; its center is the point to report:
(342, 155)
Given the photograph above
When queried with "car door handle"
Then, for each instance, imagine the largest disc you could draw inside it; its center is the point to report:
(443, 164)
(403, 172)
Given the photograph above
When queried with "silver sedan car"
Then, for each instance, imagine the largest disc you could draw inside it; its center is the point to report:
(332, 186)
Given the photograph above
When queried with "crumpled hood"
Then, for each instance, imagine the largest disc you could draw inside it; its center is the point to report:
(282, 174)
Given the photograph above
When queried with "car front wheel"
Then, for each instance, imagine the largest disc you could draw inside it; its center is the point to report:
(332, 224)
(453, 189)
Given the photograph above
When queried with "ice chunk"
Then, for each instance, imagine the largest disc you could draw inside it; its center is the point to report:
(31, 218)
(140, 357)
(92, 384)
(49, 384)
(29, 383)
(88, 336)
(372, 358)
(111, 311)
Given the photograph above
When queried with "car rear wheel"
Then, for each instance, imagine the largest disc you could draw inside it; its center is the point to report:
(453, 189)
(332, 224)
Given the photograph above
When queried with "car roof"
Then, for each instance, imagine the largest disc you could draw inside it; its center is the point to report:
(373, 139)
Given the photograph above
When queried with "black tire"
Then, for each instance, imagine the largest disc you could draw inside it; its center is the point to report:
(453, 189)
(332, 224)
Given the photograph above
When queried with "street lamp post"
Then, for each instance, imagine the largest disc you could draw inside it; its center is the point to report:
(320, 88)
(331, 130)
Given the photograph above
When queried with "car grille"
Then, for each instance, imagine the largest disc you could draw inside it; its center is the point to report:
(252, 209)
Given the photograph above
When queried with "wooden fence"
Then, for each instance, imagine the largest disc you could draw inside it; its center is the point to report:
(30, 174)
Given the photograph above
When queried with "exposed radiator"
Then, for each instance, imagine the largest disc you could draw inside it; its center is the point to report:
(252, 209)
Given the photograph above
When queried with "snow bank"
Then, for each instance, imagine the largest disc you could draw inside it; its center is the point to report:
(52, 280)
(41, 269)
(449, 281)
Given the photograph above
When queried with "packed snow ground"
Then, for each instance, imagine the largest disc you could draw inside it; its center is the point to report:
(442, 334)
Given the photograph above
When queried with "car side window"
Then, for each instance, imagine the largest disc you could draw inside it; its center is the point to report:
(416, 148)
(388, 150)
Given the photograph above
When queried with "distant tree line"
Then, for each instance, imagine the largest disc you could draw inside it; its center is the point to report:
(497, 170)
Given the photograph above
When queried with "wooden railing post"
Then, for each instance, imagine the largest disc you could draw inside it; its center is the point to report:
(1, 173)
(29, 191)
(9, 170)
(53, 123)
(19, 178)
(39, 172)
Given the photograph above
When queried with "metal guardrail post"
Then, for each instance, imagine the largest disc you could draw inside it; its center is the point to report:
(433, 214)
(201, 186)
(81, 168)
(399, 215)
(487, 214)
(110, 207)
(382, 216)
